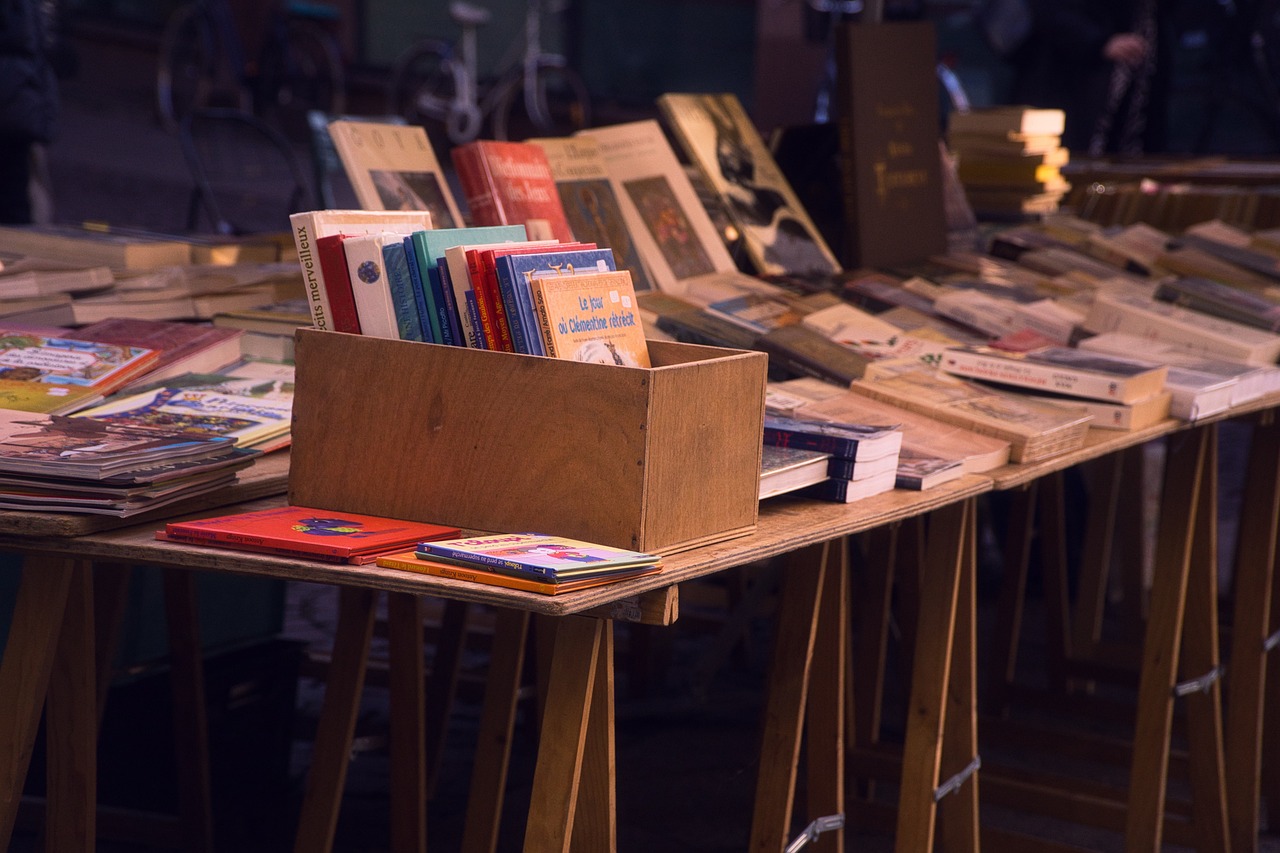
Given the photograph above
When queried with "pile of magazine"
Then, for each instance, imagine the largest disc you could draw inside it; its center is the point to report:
(56, 463)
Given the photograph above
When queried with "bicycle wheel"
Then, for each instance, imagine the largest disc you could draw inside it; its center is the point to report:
(423, 88)
(555, 104)
(304, 73)
(187, 65)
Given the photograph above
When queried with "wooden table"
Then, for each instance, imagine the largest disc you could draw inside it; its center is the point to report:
(573, 797)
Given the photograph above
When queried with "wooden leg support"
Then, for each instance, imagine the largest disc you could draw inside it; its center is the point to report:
(71, 730)
(407, 695)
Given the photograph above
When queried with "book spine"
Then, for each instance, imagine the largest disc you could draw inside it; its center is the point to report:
(1183, 294)
(427, 290)
(431, 550)
(450, 322)
(1107, 316)
(836, 446)
(255, 549)
(197, 534)
(484, 308)
(411, 255)
(409, 322)
(428, 567)
(368, 275)
(544, 321)
(496, 307)
(468, 320)
(473, 315)
(507, 290)
(333, 305)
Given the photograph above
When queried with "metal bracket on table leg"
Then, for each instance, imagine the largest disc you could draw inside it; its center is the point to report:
(813, 830)
(1200, 684)
(954, 783)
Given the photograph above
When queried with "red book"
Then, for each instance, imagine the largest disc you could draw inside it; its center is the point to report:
(298, 531)
(182, 347)
(489, 275)
(337, 283)
(510, 183)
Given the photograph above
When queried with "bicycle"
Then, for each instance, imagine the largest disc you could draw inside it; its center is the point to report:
(203, 62)
(435, 84)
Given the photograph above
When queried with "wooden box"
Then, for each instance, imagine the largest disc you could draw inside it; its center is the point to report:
(658, 459)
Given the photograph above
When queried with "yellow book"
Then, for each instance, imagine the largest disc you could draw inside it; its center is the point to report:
(592, 317)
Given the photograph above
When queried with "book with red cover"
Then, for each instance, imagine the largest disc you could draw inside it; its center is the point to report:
(485, 271)
(183, 347)
(303, 531)
(337, 283)
(510, 183)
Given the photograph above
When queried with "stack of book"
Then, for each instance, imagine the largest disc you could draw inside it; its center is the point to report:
(864, 457)
(1009, 159)
(42, 370)
(533, 562)
(54, 463)
(266, 331)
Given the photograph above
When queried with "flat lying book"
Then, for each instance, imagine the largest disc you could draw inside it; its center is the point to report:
(848, 441)
(411, 562)
(785, 469)
(538, 554)
(1060, 370)
(307, 532)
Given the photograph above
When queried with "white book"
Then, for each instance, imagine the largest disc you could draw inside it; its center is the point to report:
(871, 336)
(995, 317)
(369, 285)
(1172, 324)
(1060, 370)
(309, 226)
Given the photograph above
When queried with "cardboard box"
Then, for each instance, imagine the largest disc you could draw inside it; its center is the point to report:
(658, 459)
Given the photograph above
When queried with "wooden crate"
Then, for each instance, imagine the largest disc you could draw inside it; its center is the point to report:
(656, 459)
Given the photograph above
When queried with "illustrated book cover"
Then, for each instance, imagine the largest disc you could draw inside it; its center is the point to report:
(537, 554)
(515, 272)
(393, 167)
(309, 531)
(591, 318)
(56, 375)
(589, 202)
(510, 183)
(182, 347)
(410, 561)
(720, 139)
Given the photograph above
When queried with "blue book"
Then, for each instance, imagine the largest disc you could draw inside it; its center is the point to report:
(450, 324)
(474, 313)
(429, 246)
(514, 272)
(408, 320)
(419, 291)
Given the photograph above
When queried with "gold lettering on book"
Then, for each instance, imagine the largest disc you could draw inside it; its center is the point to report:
(888, 180)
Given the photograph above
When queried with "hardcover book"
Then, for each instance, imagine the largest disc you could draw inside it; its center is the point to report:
(536, 554)
(304, 530)
(483, 267)
(589, 202)
(182, 347)
(393, 167)
(370, 288)
(721, 140)
(1060, 370)
(591, 318)
(858, 442)
(510, 183)
(410, 561)
(889, 138)
(429, 249)
(515, 272)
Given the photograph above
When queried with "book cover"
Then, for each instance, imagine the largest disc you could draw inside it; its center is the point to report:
(57, 375)
(355, 560)
(451, 316)
(799, 350)
(309, 226)
(484, 277)
(590, 203)
(1060, 370)
(591, 318)
(420, 291)
(919, 473)
(314, 531)
(411, 562)
(847, 441)
(870, 336)
(411, 323)
(182, 347)
(758, 312)
(249, 420)
(674, 237)
(536, 553)
(430, 247)
(889, 132)
(721, 140)
(785, 469)
(393, 167)
(340, 301)
(510, 183)
(515, 271)
(370, 288)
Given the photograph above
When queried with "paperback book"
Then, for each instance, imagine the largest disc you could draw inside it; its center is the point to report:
(42, 372)
(393, 167)
(541, 555)
(1060, 370)
(410, 561)
(786, 469)
(846, 440)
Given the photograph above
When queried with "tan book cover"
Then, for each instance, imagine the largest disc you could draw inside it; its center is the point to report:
(393, 167)
(592, 317)
(720, 139)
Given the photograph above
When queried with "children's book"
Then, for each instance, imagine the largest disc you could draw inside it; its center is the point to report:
(536, 553)
(591, 318)
(722, 141)
(320, 532)
(515, 271)
(393, 167)
(510, 183)
(410, 561)
(482, 265)
(182, 347)
(42, 372)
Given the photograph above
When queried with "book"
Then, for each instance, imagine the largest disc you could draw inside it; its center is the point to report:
(786, 469)
(840, 468)
(872, 336)
(424, 293)
(366, 269)
(856, 441)
(1000, 121)
(339, 298)
(1047, 145)
(589, 201)
(393, 167)
(889, 141)
(758, 312)
(276, 318)
(1133, 415)
(312, 225)
(510, 183)
(181, 347)
(95, 246)
(412, 324)
(848, 491)
(678, 245)
(494, 310)
(799, 350)
(591, 317)
(1173, 324)
(920, 473)
(46, 372)
(409, 561)
(24, 276)
(306, 530)
(465, 276)
(720, 139)
(538, 554)
(1034, 430)
(515, 272)
(1222, 300)
(1059, 370)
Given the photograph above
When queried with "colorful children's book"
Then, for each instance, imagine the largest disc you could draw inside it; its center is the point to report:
(41, 372)
(410, 561)
(515, 270)
(182, 347)
(591, 318)
(535, 553)
(303, 530)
